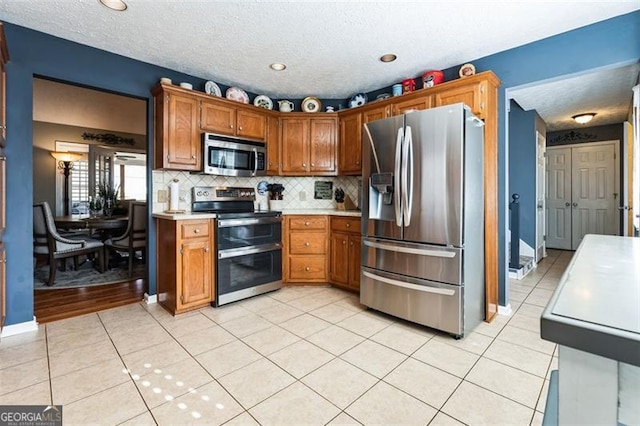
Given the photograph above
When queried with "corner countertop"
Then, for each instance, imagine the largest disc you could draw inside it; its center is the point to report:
(596, 307)
(195, 216)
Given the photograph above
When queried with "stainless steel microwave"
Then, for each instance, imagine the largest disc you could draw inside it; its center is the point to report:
(227, 156)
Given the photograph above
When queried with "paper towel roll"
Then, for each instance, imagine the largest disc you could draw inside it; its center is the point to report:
(174, 195)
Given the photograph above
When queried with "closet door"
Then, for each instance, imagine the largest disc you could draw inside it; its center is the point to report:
(558, 193)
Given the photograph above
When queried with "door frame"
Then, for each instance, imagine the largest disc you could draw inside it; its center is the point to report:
(541, 203)
(616, 172)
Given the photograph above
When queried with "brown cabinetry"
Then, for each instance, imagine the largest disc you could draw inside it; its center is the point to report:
(344, 265)
(223, 119)
(308, 145)
(305, 249)
(178, 145)
(185, 264)
(350, 144)
(474, 95)
(420, 103)
(273, 145)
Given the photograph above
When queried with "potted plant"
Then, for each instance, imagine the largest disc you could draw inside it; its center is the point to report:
(109, 196)
(275, 196)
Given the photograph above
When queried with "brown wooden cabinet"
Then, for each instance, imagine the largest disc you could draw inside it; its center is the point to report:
(218, 117)
(350, 144)
(308, 145)
(344, 264)
(185, 268)
(420, 103)
(178, 143)
(473, 94)
(305, 249)
(376, 113)
(273, 145)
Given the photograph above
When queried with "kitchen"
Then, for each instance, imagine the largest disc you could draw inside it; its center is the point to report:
(20, 312)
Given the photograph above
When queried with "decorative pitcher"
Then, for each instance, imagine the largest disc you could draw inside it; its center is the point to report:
(285, 106)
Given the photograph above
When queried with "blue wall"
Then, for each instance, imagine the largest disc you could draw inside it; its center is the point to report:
(522, 168)
(612, 42)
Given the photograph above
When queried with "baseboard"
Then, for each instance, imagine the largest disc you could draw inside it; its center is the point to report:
(150, 298)
(23, 327)
(505, 310)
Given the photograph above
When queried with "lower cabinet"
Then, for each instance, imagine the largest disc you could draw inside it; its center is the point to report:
(305, 249)
(185, 264)
(344, 265)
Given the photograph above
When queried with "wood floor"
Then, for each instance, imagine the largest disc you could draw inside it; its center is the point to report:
(52, 305)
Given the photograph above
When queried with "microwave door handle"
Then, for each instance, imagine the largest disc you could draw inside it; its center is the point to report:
(255, 161)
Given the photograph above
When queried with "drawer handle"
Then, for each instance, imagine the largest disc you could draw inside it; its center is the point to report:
(307, 244)
(306, 224)
(313, 165)
(231, 126)
(348, 225)
(196, 231)
(307, 268)
(304, 164)
(344, 242)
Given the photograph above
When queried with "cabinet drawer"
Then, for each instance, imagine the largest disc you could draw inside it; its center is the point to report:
(345, 224)
(308, 222)
(307, 243)
(307, 268)
(192, 229)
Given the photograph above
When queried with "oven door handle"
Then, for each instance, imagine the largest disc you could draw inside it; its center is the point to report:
(226, 223)
(243, 251)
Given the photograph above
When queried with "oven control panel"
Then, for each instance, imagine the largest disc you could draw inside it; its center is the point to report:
(222, 193)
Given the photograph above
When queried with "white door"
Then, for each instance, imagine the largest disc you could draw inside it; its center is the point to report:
(594, 196)
(558, 205)
(540, 198)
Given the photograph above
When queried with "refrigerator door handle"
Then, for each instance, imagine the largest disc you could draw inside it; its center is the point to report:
(396, 179)
(407, 176)
(443, 291)
(409, 250)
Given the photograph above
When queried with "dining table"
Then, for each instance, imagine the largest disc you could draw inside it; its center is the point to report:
(105, 226)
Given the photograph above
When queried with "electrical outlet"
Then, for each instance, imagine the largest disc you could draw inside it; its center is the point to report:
(163, 195)
(302, 195)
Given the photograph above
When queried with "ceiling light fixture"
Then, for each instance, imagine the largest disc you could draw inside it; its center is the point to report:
(389, 57)
(277, 66)
(118, 5)
(584, 118)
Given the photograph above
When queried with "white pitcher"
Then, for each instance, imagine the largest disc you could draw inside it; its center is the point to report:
(285, 105)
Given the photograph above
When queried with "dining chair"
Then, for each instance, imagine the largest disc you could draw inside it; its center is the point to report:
(134, 238)
(49, 244)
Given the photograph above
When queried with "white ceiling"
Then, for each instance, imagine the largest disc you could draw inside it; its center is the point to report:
(331, 49)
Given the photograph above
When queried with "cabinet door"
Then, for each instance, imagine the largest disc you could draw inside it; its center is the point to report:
(183, 138)
(354, 261)
(376, 114)
(323, 146)
(273, 146)
(217, 118)
(196, 272)
(251, 125)
(419, 104)
(294, 146)
(473, 95)
(350, 151)
(339, 261)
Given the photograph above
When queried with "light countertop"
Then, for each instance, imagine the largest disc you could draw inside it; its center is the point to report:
(596, 306)
(195, 216)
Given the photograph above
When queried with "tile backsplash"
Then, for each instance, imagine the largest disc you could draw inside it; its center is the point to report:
(297, 194)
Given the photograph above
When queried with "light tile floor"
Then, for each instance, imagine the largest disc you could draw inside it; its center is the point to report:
(302, 355)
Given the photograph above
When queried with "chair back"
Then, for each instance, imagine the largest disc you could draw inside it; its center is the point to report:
(137, 226)
(46, 239)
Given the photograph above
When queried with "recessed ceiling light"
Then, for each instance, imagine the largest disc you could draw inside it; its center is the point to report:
(118, 5)
(277, 66)
(584, 118)
(389, 57)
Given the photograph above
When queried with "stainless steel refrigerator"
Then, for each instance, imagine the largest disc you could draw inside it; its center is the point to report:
(423, 218)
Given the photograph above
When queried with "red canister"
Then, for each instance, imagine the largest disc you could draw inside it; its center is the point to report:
(408, 85)
(431, 78)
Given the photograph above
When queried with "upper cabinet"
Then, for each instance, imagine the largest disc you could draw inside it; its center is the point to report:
(273, 145)
(223, 119)
(4, 58)
(420, 103)
(350, 146)
(474, 95)
(178, 143)
(308, 145)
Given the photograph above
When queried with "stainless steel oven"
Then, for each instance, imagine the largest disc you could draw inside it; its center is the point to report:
(233, 157)
(248, 244)
(249, 255)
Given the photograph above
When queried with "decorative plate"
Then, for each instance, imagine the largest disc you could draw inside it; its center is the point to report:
(311, 104)
(263, 101)
(237, 94)
(211, 88)
(383, 96)
(358, 100)
(467, 70)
